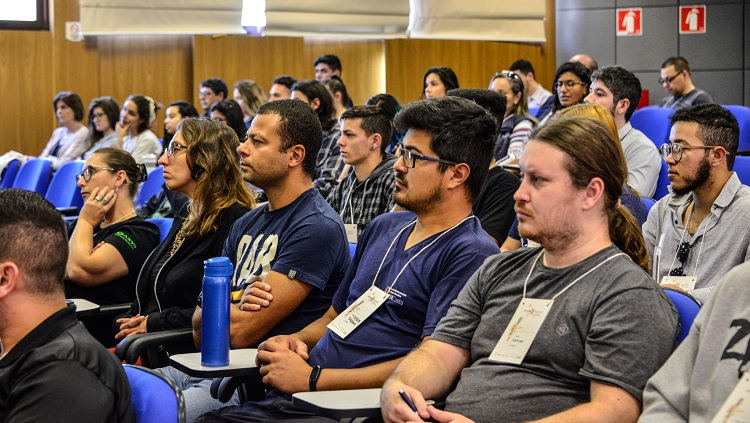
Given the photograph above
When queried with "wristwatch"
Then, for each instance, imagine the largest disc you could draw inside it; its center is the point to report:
(314, 375)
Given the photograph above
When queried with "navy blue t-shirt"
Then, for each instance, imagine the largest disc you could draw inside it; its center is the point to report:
(418, 300)
(304, 240)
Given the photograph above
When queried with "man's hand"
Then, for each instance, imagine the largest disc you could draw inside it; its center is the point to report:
(131, 326)
(284, 369)
(395, 409)
(280, 343)
(256, 296)
(446, 417)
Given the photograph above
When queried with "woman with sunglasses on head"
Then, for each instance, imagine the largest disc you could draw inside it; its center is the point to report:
(202, 163)
(517, 122)
(108, 243)
(103, 115)
(571, 86)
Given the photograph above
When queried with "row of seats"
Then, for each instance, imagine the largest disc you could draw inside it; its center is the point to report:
(61, 188)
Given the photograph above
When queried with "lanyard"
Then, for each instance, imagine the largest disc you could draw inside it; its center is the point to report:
(703, 238)
(570, 284)
(348, 200)
(415, 255)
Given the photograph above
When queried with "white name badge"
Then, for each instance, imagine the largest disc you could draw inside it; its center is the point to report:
(351, 232)
(521, 331)
(736, 409)
(358, 311)
(686, 283)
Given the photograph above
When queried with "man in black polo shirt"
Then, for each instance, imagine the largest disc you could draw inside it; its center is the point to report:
(50, 367)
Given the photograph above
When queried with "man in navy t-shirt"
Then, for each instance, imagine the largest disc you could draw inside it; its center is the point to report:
(295, 243)
(408, 267)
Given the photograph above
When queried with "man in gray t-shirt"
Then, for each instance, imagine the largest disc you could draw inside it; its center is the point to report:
(607, 330)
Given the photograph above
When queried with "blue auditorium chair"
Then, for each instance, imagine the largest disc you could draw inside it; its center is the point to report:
(34, 175)
(687, 308)
(150, 187)
(742, 114)
(653, 121)
(155, 398)
(63, 191)
(9, 175)
(742, 167)
(164, 224)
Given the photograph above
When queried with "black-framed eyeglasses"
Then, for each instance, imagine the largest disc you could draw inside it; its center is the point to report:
(683, 252)
(88, 171)
(569, 84)
(669, 79)
(172, 147)
(676, 150)
(410, 158)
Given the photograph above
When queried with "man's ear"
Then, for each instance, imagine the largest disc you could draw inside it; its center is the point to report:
(459, 174)
(593, 193)
(622, 106)
(296, 155)
(375, 141)
(9, 275)
(315, 103)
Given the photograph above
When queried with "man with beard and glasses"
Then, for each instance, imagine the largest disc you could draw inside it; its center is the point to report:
(408, 267)
(701, 230)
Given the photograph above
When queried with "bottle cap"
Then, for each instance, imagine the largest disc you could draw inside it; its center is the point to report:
(217, 266)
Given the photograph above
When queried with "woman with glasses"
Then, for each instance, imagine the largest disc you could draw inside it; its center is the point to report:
(108, 242)
(517, 122)
(133, 134)
(437, 81)
(103, 113)
(202, 163)
(571, 85)
(229, 113)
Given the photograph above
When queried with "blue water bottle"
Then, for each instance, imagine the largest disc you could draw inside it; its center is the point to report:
(217, 272)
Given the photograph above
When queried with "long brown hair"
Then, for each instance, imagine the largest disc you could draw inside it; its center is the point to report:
(592, 153)
(214, 164)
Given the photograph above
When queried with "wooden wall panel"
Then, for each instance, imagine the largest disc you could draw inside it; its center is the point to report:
(26, 75)
(160, 67)
(233, 58)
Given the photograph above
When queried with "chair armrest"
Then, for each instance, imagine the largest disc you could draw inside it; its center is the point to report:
(251, 387)
(130, 348)
(114, 309)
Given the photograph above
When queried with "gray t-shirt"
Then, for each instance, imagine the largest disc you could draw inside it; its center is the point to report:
(613, 326)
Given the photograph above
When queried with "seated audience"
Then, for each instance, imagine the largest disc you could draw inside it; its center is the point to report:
(326, 67)
(412, 263)
(437, 81)
(249, 95)
(367, 192)
(51, 369)
(136, 117)
(517, 122)
(341, 99)
(571, 85)
(103, 116)
(175, 113)
(570, 331)
(68, 141)
(295, 243)
(494, 205)
(200, 162)
(281, 88)
(701, 230)
(390, 105)
(535, 93)
(700, 381)
(108, 242)
(619, 91)
(676, 79)
(210, 92)
(229, 113)
(329, 164)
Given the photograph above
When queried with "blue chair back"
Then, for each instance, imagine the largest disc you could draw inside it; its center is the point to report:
(742, 167)
(63, 191)
(663, 182)
(164, 224)
(533, 111)
(352, 249)
(150, 187)
(34, 176)
(653, 121)
(687, 308)
(742, 114)
(155, 398)
(648, 202)
(9, 175)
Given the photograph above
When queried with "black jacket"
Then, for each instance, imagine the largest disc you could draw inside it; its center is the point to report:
(171, 302)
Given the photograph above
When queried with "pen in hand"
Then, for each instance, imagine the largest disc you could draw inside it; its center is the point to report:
(408, 401)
